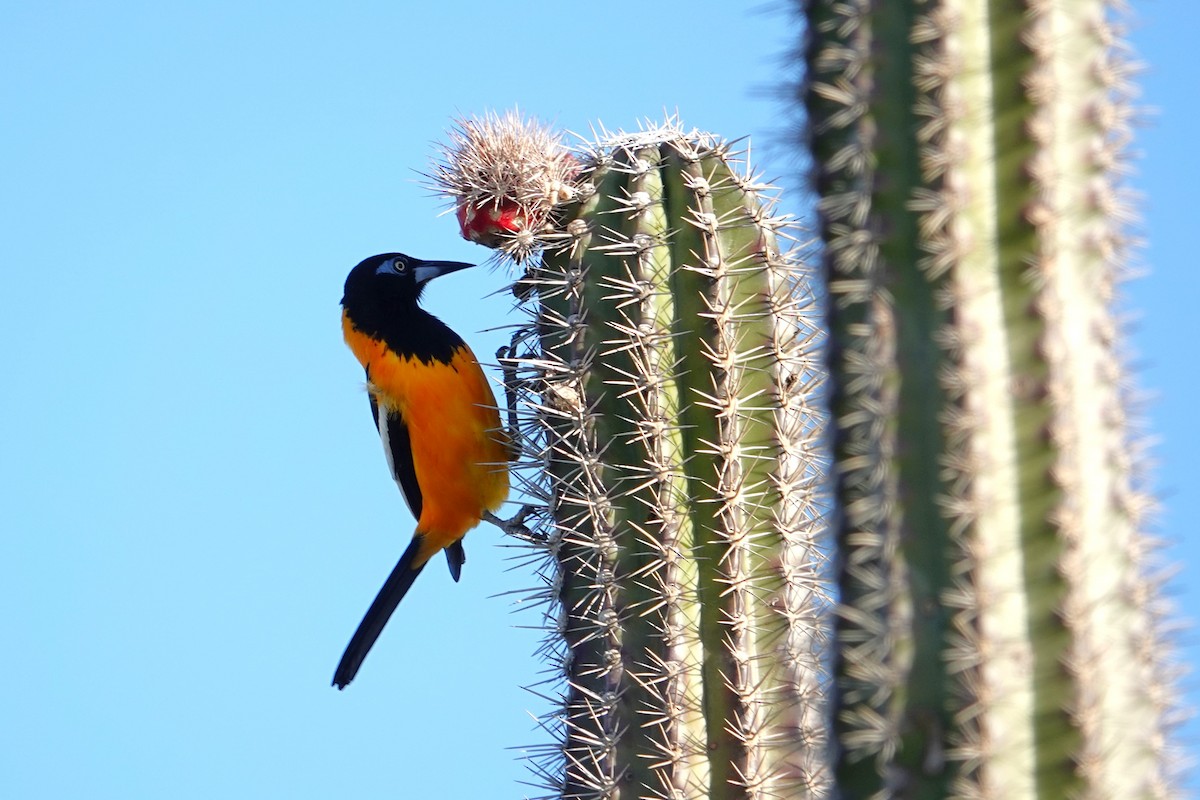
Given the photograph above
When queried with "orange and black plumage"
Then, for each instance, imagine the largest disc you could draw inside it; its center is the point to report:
(436, 416)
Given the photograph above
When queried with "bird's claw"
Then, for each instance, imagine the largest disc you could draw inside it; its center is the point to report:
(516, 526)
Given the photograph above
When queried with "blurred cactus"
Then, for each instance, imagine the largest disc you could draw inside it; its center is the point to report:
(669, 369)
(1000, 634)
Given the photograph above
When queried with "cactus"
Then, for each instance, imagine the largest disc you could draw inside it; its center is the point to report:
(1001, 630)
(669, 367)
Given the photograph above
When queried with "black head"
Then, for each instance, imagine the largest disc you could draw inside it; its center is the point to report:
(391, 282)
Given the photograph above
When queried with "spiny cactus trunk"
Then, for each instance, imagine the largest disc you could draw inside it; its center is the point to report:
(681, 455)
(671, 371)
(998, 634)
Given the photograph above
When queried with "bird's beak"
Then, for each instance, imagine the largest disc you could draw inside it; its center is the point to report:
(425, 271)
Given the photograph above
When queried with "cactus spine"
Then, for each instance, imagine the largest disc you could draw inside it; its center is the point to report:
(999, 634)
(670, 367)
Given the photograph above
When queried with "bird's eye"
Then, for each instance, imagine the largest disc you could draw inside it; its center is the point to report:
(400, 265)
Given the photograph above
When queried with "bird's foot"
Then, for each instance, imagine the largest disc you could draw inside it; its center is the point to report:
(516, 526)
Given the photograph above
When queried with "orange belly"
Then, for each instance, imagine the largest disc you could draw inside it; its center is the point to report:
(459, 450)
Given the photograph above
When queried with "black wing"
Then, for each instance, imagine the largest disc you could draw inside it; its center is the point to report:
(398, 448)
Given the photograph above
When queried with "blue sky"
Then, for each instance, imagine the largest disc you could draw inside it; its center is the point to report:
(194, 507)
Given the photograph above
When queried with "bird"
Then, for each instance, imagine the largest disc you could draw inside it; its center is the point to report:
(436, 416)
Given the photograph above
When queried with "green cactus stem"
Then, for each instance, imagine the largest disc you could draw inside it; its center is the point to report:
(669, 373)
(1000, 634)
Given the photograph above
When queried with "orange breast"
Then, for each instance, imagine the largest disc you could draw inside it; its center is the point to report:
(459, 449)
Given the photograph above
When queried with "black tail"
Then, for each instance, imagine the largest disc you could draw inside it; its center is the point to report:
(393, 591)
